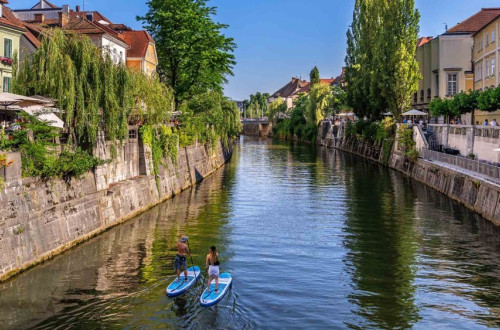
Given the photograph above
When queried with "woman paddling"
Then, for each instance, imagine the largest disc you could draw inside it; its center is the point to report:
(212, 263)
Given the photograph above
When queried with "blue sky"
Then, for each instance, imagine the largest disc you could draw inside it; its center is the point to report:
(278, 39)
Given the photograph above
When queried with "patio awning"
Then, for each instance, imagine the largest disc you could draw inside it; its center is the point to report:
(347, 114)
(21, 98)
(414, 113)
(44, 115)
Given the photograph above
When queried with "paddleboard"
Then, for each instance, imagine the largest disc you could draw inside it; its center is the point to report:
(209, 297)
(179, 287)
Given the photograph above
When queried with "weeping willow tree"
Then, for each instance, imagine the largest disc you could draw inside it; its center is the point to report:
(94, 93)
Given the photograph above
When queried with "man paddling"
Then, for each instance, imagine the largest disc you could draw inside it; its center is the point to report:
(181, 259)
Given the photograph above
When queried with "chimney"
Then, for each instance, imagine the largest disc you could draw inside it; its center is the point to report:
(294, 79)
(39, 18)
(65, 9)
(63, 18)
(77, 9)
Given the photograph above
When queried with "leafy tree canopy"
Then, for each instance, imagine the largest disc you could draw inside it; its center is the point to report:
(193, 53)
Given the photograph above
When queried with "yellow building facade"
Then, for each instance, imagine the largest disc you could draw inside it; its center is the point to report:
(485, 58)
(10, 36)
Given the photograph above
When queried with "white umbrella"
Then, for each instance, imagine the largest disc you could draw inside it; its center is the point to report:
(414, 113)
(44, 114)
(21, 98)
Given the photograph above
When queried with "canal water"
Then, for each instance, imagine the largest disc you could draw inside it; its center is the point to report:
(313, 238)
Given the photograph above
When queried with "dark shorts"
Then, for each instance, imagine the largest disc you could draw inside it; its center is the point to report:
(180, 263)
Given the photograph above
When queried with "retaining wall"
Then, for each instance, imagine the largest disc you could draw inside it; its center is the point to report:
(475, 193)
(39, 219)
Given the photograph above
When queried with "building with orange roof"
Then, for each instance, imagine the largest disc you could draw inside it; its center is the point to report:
(445, 62)
(11, 30)
(293, 89)
(142, 53)
(135, 48)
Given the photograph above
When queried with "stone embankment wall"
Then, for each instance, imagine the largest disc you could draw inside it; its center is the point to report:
(476, 193)
(39, 219)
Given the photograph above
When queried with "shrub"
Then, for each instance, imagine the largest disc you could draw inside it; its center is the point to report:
(408, 145)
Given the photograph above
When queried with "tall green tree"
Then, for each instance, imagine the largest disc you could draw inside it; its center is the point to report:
(314, 77)
(381, 70)
(400, 74)
(194, 56)
(320, 97)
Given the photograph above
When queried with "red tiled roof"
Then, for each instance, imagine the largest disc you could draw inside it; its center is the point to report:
(138, 42)
(8, 19)
(120, 27)
(476, 22)
(304, 89)
(423, 40)
(290, 88)
(79, 24)
(307, 87)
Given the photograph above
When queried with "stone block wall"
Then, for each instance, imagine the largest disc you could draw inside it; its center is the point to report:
(475, 193)
(39, 219)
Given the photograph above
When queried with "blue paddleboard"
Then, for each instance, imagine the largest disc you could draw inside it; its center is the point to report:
(179, 287)
(209, 297)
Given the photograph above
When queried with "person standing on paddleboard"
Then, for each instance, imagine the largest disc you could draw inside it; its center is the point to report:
(181, 259)
(212, 263)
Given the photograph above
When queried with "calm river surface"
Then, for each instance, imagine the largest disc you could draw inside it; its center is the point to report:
(313, 238)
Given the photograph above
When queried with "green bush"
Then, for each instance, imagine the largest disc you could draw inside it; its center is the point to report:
(408, 145)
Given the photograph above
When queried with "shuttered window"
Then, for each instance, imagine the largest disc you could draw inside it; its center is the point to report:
(7, 48)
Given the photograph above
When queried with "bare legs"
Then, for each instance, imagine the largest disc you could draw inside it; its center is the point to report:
(186, 274)
(210, 278)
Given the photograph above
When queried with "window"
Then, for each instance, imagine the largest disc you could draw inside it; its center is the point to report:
(6, 84)
(437, 85)
(452, 84)
(493, 72)
(493, 36)
(487, 39)
(487, 68)
(7, 48)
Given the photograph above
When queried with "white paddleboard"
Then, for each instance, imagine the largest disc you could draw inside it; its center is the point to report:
(209, 297)
(179, 287)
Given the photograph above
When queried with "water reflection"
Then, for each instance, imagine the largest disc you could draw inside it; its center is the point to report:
(313, 238)
(382, 246)
(111, 280)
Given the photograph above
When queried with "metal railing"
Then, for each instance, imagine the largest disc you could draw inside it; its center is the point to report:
(462, 162)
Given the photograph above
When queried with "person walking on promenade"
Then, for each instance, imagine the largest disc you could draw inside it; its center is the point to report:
(212, 263)
(181, 259)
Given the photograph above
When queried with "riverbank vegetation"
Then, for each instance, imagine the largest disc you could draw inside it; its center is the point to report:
(256, 106)
(381, 70)
(308, 110)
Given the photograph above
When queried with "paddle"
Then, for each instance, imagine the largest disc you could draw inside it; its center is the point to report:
(203, 284)
(192, 263)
